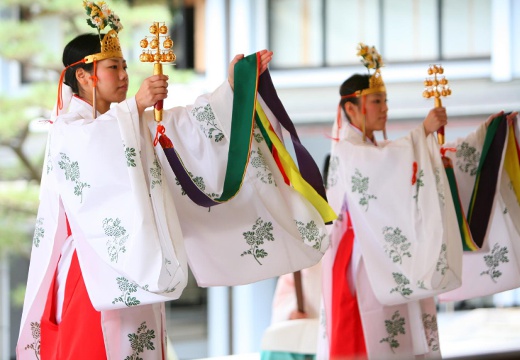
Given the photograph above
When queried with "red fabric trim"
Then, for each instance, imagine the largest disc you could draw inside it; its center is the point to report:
(347, 339)
(274, 152)
(79, 336)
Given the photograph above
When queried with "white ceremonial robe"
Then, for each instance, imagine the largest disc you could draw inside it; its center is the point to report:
(407, 246)
(134, 231)
(496, 266)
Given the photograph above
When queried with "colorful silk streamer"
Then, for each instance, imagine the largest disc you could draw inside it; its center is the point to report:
(483, 195)
(246, 109)
(512, 161)
(467, 241)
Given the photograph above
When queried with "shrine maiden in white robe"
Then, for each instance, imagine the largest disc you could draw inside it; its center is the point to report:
(135, 232)
(407, 247)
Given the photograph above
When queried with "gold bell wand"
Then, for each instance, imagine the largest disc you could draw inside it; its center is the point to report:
(157, 48)
(436, 87)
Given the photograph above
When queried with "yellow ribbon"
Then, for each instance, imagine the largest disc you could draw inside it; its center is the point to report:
(292, 172)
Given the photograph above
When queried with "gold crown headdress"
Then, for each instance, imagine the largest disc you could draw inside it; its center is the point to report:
(100, 16)
(371, 59)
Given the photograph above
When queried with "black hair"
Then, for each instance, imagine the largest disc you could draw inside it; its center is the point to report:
(79, 47)
(350, 86)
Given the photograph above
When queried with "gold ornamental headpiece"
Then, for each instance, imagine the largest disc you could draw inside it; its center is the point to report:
(371, 59)
(100, 16)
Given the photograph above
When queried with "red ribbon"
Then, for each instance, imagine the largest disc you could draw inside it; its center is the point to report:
(62, 76)
(160, 131)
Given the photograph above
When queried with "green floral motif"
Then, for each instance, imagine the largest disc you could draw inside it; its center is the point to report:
(469, 158)
(258, 162)
(127, 288)
(36, 334)
(155, 172)
(130, 154)
(332, 175)
(49, 161)
(72, 174)
(310, 233)
(261, 231)
(401, 288)
(421, 285)
(498, 255)
(116, 244)
(440, 187)
(360, 185)
(394, 327)
(442, 261)
(140, 341)
(208, 125)
(431, 331)
(199, 182)
(397, 245)
(258, 136)
(418, 184)
(39, 232)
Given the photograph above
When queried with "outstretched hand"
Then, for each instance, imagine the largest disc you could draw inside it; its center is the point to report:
(510, 118)
(153, 89)
(265, 58)
(436, 118)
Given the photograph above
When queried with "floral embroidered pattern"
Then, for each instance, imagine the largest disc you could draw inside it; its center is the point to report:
(421, 285)
(394, 327)
(442, 261)
(360, 185)
(39, 232)
(418, 182)
(199, 182)
(431, 331)
(127, 288)
(401, 288)
(130, 154)
(156, 172)
(72, 174)
(397, 245)
(332, 175)
(468, 157)
(36, 334)
(440, 186)
(258, 136)
(310, 233)
(258, 162)
(255, 238)
(116, 244)
(208, 125)
(49, 161)
(140, 341)
(498, 255)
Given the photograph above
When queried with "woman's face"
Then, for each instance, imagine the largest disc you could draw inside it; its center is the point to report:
(112, 83)
(376, 111)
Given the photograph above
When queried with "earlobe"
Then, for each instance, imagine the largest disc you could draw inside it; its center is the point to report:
(349, 108)
(81, 76)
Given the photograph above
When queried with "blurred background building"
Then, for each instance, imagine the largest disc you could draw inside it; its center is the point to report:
(314, 43)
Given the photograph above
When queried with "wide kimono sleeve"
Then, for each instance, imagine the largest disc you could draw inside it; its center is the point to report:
(400, 204)
(122, 217)
(494, 266)
(266, 230)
